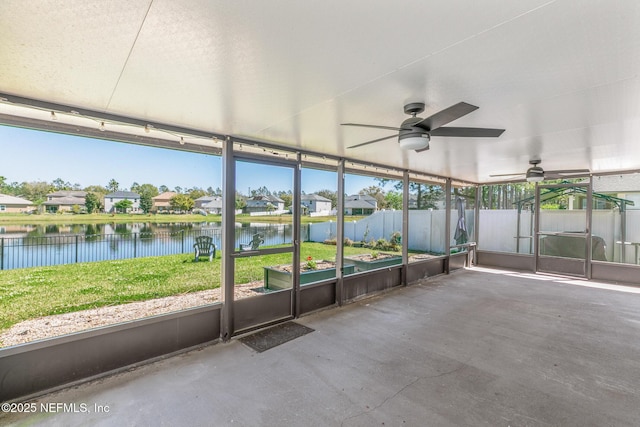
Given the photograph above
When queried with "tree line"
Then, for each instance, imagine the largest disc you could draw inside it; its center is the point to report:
(425, 196)
(36, 192)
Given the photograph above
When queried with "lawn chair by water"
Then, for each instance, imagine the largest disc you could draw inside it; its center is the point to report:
(254, 244)
(204, 247)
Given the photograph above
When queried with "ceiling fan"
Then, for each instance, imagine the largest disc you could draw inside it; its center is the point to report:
(415, 132)
(536, 174)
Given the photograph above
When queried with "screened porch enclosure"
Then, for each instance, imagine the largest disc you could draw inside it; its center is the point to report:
(614, 220)
(437, 237)
(495, 94)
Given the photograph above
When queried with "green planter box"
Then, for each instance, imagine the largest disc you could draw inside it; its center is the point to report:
(276, 279)
(372, 265)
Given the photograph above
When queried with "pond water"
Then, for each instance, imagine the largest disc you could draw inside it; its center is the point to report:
(43, 230)
(34, 245)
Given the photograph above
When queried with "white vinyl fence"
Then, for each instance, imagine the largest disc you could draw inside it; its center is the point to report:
(426, 228)
(267, 213)
(379, 225)
(498, 229)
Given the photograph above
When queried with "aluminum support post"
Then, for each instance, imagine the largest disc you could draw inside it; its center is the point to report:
(228, 238)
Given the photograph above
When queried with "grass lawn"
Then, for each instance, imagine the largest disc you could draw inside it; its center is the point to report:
(41, 291)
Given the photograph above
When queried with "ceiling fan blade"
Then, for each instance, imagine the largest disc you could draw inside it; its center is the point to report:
(467, 132)
(445, 116)
(375, 140)
(371, 126)
(508, 174)
(567, 172)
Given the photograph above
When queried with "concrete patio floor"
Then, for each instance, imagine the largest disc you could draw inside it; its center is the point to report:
(477, 347)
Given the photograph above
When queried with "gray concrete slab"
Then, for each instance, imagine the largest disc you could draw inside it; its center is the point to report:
(478, 347)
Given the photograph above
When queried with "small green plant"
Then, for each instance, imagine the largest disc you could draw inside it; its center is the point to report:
(375, 254)
(311, 264)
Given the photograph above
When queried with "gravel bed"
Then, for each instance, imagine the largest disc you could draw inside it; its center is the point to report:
(62, 324)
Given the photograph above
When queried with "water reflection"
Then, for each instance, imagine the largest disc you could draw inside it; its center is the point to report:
(47, 230)
(33, 245)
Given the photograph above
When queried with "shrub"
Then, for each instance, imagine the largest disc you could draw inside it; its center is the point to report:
(333, 241)
(383, 245)
(396, 238)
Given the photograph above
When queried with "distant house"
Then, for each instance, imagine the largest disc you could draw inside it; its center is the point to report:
(12, 204)
(625, 187)
(210, 204)
(360, 204)
(369, 199)
(112, 198)
(358, 207)
(64, 200)
(162, 202)
(413, 203)
(264, 204)
(315, 203)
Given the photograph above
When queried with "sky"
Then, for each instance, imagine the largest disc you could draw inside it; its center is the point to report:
(31, 155)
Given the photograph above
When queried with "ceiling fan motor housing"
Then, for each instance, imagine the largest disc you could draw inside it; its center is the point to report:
(535, 172)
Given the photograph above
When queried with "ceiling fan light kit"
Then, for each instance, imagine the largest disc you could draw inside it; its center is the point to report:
(413, 141)
(535, 176)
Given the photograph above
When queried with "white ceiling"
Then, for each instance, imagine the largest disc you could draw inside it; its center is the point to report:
(562, 77)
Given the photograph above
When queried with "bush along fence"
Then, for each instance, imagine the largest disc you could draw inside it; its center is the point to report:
(40, 251)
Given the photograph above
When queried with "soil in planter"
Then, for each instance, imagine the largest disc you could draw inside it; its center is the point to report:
(320, 265)
(369, 257)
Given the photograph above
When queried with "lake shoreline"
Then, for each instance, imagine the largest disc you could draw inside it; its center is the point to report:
(68, 218)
